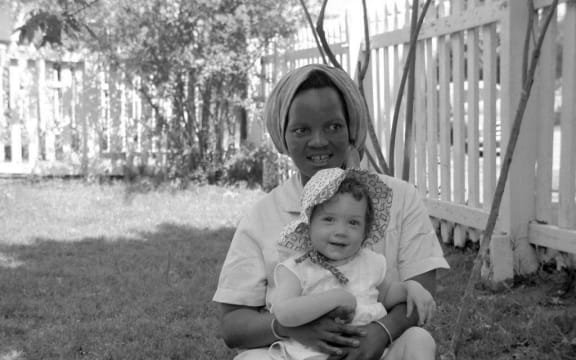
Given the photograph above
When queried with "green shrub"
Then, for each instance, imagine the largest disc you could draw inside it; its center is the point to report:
(255, 166)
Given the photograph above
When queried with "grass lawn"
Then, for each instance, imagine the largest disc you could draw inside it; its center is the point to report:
(93, 271)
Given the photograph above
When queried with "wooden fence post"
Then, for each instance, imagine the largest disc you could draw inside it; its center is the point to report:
(518, 205)
(567, 188)
(33, 118)
(66, 121)
(15, 109)
(3, 62)
(82, 116)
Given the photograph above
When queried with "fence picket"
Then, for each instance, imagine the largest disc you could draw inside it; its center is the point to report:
(472, 115)
(444, 106)
(419, 163)
(490, 97)
(432, 119)
(387, 84)
(567, 207)
(458, 122)
(544, 90)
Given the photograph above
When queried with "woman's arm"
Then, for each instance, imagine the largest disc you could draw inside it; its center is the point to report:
(414, 295)
(396, 320)
(246, 327)
(250, 327)
(291, 308)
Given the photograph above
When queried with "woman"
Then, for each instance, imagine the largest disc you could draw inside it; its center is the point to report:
(317, 116)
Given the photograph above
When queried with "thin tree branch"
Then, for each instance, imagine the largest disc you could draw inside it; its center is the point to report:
(86, 6)
(362, 70)
(322, 36)
(467, 299)
(383, 169)
(411, 52)
(529, 29)
(363, 66)
(372, 162)
(314, 33)
(410, 96)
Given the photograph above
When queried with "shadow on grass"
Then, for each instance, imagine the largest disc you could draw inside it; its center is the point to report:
(121, 298)
(104, 298)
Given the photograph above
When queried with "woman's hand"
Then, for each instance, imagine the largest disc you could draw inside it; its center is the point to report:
(328, 335)
(370, 347)
(417, 296)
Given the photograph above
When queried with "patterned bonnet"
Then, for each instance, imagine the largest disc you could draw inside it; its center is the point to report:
(324, 185)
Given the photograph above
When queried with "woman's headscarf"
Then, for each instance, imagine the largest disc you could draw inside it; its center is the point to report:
(278, 104)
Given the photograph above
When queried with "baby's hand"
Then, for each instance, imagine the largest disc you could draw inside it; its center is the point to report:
(417, 296)
(342, 314)
(343, 298)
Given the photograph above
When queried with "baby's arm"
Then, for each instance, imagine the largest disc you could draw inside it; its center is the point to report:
(291, 308)
(415, 295)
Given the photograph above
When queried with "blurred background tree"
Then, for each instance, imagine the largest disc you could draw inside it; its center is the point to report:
(195, 55)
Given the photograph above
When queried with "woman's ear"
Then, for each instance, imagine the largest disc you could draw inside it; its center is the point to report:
(353, 158)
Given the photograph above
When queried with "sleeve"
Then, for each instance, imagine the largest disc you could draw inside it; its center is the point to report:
(243, 278)
(378, 266)
(382, 269)
(290, 265)
(419, 248)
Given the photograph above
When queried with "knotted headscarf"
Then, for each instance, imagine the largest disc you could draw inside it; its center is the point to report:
(278, 104)
(295, 237)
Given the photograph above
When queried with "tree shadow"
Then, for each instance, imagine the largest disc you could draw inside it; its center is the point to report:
(147, 297)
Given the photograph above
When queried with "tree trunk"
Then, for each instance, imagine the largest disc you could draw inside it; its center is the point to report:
(205, 128)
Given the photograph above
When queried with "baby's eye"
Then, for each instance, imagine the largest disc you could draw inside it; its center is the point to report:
(354, 222)
(328, 219)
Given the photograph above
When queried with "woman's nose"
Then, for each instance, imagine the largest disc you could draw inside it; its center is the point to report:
(318, 139)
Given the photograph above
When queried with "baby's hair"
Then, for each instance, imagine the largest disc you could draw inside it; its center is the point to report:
(359, 191)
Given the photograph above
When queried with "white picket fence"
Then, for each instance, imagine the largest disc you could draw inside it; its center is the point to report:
(468, 86)
(64, 116)
(69, 116)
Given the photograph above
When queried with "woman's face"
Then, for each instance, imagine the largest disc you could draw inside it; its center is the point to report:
(316, 134)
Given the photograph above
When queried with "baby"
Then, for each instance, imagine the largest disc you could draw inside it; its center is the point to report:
(331, 264)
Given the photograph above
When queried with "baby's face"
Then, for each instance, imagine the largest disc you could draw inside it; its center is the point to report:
(337, 227)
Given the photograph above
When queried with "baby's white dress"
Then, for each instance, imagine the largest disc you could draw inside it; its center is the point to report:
(365, 272)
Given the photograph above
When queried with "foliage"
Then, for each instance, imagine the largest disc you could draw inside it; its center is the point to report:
(190, 61)
(44, 28)
(247, 165)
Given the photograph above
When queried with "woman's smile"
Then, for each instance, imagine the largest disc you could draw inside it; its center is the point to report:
(320, 160)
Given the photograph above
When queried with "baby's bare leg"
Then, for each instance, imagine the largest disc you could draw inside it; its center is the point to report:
(254, 354)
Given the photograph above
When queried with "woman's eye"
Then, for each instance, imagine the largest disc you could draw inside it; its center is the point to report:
(300, 131)
(354, 222)
(335, 127)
